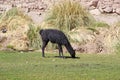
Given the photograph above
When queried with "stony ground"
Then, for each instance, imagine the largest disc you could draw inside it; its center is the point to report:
(36, 8)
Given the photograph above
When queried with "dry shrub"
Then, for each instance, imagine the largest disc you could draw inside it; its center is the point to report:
(21, 31)
(67, 15)
(106, 41)
(14, 18)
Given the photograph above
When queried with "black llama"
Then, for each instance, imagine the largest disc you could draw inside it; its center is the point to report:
(58, 37)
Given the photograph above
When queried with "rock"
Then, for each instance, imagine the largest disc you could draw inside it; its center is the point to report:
(108, 10)
(95, 12)
(109, 6)
(115, 6)
(116, 1)
(118, 11)
(101, 10)
(93, 3)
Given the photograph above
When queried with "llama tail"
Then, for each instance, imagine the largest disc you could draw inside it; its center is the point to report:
(70, 50)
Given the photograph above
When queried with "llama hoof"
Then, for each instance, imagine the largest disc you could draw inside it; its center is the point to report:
(43, 56)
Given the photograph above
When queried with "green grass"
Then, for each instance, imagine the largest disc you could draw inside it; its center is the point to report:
(31, 66)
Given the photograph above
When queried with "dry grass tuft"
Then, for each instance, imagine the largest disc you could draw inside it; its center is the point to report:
(67, 15)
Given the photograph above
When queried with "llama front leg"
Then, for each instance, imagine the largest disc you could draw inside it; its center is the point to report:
(43, 47)
(60, 50)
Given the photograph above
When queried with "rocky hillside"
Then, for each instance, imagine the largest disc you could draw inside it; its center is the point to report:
(104, 6)
(108, 6)
(36, 8)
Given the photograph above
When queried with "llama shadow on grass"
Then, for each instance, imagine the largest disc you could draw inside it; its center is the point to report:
(66, 57)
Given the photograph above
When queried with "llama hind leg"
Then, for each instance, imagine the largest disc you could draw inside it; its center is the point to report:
(43, 47)
(60, 51)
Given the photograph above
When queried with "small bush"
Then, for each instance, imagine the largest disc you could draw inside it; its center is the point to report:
(10, 46)
(118, 48)
(0, 46)
(14, 18)
(13, 13)
(34, 38)
(99, 24)
(68, 15)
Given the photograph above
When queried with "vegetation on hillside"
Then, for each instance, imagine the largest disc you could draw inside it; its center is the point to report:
(68, 15)
(14, 18)
(34, 37)
(117, 25)
(21, 28)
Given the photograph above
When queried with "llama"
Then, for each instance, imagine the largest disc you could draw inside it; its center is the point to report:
(58, 37)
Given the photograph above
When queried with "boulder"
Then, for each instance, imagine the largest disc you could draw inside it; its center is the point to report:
(93, 3)
(109, 6)
(95, 12)
(108, 10)
(118, 11)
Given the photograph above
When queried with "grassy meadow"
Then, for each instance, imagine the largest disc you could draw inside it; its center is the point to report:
(31, 66)
(66, 16)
